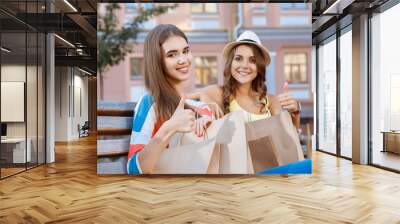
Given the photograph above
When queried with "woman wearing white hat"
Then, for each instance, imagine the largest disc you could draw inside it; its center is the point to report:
(244, 83)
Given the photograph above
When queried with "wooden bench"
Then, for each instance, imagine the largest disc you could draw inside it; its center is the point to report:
(114, 120)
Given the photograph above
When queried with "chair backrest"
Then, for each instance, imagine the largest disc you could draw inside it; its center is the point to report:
(114, 127)
(86, 124)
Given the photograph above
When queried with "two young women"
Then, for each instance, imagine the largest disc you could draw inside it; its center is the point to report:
(166, 111)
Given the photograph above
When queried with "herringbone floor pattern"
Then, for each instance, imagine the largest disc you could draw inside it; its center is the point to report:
(70, 191)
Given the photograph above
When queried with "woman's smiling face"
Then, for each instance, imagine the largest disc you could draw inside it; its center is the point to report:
(244, 67)
(177, 58)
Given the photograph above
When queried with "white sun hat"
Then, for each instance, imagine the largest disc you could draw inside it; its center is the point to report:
(248, 37)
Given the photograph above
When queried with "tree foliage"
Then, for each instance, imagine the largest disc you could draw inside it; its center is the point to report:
(113, 41)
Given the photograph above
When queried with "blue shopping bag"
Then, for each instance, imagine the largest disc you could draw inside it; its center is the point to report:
(301, 167)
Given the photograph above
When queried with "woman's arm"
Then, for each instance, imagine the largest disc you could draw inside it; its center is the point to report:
(288, 103)
(145, 150)
(274, 105)
(211, 95)
(150, 155)
(215, 93)
(195, 95)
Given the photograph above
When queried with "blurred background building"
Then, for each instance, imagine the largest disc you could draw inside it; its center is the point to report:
(285, 29)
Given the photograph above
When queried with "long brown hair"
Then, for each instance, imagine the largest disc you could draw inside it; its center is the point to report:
(257, 85)
(166, 98)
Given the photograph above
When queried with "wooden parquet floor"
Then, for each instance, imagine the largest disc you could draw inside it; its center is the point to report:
(69, 191)
(9, 171)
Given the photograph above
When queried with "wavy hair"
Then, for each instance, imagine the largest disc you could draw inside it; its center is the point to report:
(257, 85)
(166, 98)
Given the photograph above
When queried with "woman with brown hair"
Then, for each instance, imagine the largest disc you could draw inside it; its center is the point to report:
(244, 86)
(162, 113)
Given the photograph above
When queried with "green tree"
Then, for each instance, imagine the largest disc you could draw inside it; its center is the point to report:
(112, 40)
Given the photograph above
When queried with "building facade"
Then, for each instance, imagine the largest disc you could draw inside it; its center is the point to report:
(285, 29)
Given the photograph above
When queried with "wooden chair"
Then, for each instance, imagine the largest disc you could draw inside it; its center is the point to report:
(83, 130)
(114, 120)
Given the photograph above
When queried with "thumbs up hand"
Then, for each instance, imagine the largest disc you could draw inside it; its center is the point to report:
(183, 120)
(287, 100)
(286, 87)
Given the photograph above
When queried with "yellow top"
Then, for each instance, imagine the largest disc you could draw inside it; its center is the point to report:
(234, 106)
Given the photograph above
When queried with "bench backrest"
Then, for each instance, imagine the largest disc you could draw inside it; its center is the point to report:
(114, 126)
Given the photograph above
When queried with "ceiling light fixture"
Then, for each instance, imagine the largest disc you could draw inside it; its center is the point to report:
(79, 51)
(86, 72)
(5, 49)
(70, 5)
(64, 40)
(337, 7)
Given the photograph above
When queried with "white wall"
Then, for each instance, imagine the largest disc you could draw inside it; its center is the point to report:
(33, 126)
(61, 103)
(71, 87)
(80, 94)
(12, 100)
(14, 73)
(17, 73)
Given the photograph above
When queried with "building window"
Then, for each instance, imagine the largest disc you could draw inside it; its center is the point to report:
(385, 89)
(149, 24)
(172, 9)
(258, 7)
(197, 7)
(131, 11)
(137, 68)
(295, 67)
(259, 20)
(345, 92)
(204, 8)
(294, 6)
(205, 24)
(147, 5)
(205, 70)
(131, 8)
(327, 96)
(295, 20)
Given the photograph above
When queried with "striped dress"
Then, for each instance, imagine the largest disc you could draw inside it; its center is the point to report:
(145, 126)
